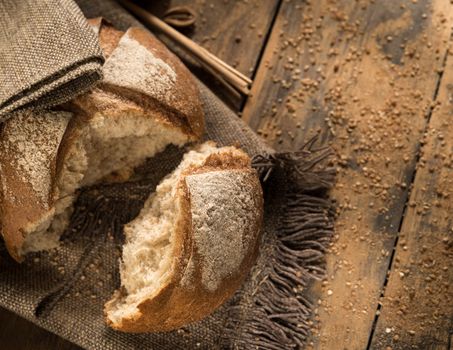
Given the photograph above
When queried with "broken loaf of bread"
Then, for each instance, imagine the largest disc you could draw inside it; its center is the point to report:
(192, 245)
(146, 101)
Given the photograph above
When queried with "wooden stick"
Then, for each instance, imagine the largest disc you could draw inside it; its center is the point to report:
(234, 71)
(231, 90)
(227, 73)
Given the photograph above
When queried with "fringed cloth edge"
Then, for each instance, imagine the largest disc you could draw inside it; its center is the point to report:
(276, 313)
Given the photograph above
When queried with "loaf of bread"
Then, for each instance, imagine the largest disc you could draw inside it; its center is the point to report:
(146, 101)
(192, 245)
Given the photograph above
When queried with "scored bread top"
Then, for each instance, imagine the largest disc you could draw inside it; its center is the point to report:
(226, 212)
(221, 237)
(141, 75)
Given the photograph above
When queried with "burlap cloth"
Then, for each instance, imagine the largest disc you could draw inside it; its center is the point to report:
(64, 290)
(48, 54)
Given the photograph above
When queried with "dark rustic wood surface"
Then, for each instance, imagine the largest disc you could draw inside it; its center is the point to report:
(364, 75)
(374, 79)
(417, 308)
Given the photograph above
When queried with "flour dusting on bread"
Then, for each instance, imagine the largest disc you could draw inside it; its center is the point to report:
(120, 69)
(31, 143)
(220, 225)
(191, 245)
(147, 254)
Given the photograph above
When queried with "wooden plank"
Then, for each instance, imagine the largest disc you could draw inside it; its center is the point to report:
(417, 309)
(17, 333)
(363, 73)
(234, 31)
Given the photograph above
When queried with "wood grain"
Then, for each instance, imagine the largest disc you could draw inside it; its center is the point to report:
(363, 74)
(417, 309)
(17, 333)
(235, 31)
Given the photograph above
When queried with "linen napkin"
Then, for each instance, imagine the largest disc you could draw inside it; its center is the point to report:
(48, 54)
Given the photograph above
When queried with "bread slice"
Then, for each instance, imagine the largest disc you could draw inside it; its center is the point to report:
(192, 244)
(146, 101)
(29, 144)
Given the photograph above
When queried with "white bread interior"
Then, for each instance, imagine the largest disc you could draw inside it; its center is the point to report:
(148, 253)
(104, 146)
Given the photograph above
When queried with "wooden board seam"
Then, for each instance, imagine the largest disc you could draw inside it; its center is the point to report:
(259, 59)
(414, 174)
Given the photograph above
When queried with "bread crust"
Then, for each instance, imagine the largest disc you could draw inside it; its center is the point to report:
(178, 302)
(22, 205)
(108, 35)
(115, 96)
(20, 209)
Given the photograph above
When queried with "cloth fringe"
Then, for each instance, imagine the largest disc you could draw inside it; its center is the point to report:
(278, 315)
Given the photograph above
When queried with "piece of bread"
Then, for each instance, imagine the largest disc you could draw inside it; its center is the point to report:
(29, 144)
(146, 101)
(192, 245)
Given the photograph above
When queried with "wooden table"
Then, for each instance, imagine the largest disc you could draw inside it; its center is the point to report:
(375, 80)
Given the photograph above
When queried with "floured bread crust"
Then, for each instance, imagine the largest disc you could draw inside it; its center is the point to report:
(163, 88)
(192, 245)
(29, 144)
